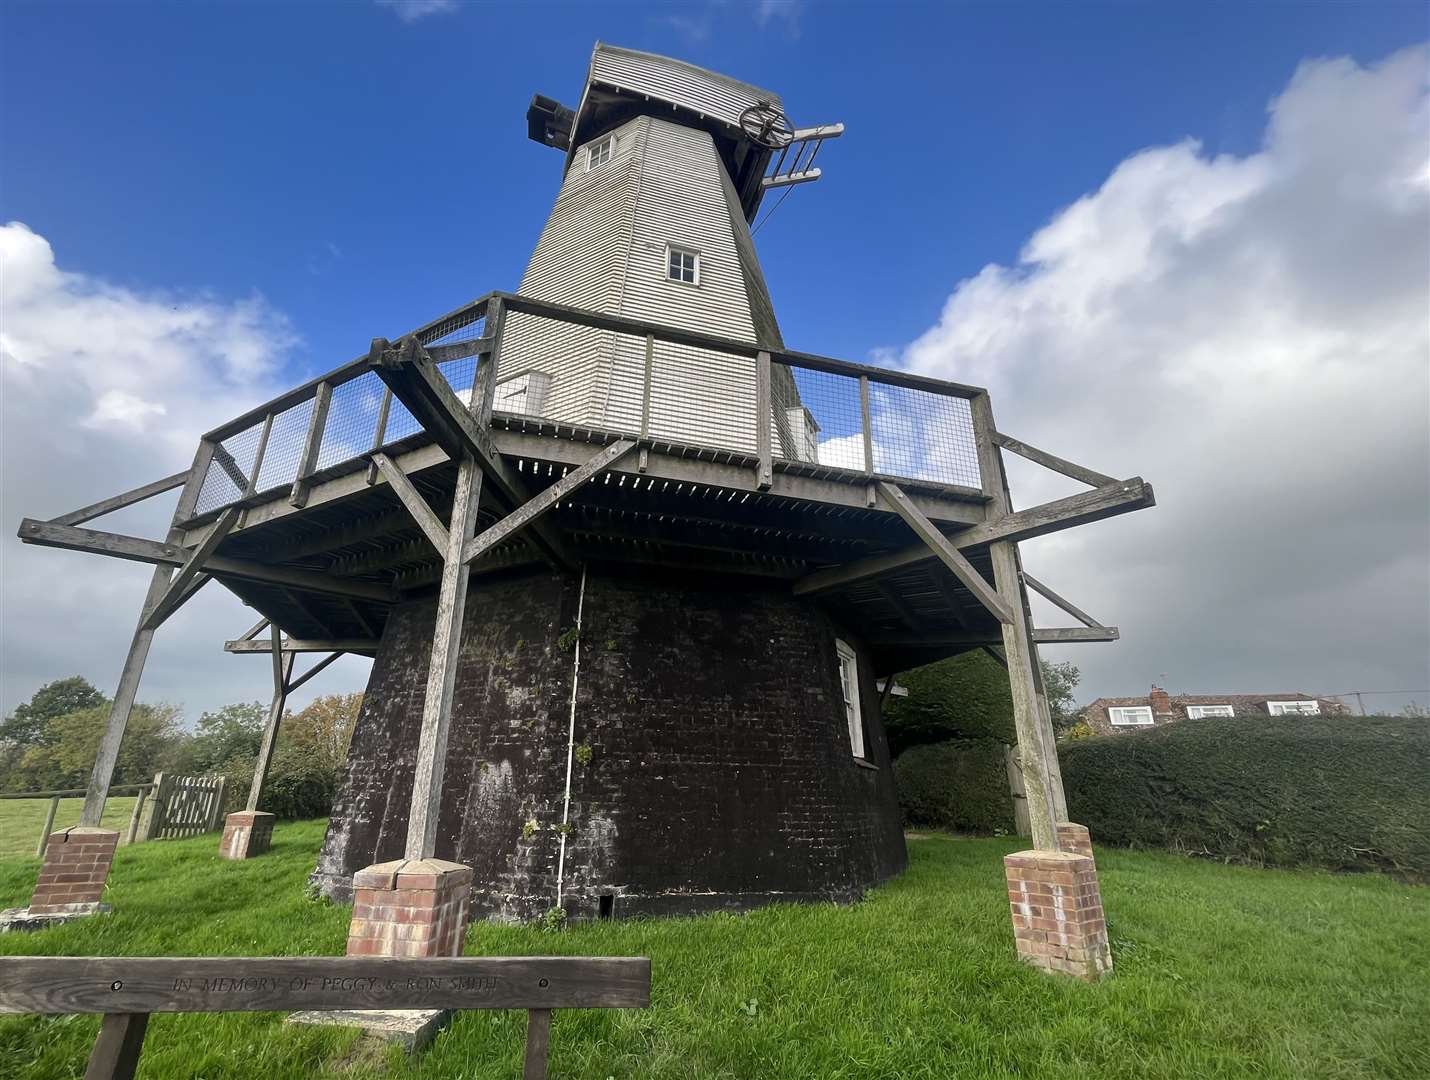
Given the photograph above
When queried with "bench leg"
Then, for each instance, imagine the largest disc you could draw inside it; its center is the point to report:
(116, 1052)
(538, 1034)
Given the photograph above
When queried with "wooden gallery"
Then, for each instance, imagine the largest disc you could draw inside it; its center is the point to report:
(631, 571)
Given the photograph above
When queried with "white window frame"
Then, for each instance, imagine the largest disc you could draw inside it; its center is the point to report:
(849, 688)
(1198, 712)
(694, 253)
(1117, 715)
(1294, 708)
(604, 150)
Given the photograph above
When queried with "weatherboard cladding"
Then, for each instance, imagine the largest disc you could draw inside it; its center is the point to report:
(679, 83)
(605, 247)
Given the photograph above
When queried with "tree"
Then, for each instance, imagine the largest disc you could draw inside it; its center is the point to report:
(27, 724)
(1059, 681)
(234, 731)
(324, 728)
(64, 756)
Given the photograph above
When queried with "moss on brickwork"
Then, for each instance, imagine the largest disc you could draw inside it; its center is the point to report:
(1346, 793)
(964, 697)
(960, 785)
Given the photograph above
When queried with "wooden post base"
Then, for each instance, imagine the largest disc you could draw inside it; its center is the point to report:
(1057, 913)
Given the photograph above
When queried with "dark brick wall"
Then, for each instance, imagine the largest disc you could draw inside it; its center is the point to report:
(712, 765)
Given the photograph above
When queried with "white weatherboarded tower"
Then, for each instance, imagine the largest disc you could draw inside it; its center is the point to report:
(666, 164)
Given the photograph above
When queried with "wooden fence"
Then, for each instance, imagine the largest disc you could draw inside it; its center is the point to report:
(127, 989)
(184, 806)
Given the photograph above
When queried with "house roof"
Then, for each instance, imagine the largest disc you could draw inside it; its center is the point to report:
(1208, 699)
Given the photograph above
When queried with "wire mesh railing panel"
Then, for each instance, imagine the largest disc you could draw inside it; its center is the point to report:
(285, 446)
(702, 398)
(553, 369)
(460, 375)
(228, 473)
(466, 327)
(817, 417)
(923, 436)
(352, 420)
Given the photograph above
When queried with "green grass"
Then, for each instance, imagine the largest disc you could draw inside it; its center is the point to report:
(1222, 972)
(22, 819)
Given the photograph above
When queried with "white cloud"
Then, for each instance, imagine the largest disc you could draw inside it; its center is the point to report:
(412, 10)
(1250, 334)
(786, 11)
(103, 388)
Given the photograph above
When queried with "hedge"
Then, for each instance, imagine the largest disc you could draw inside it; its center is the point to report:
(1345, 793)
(961, 785)
(965, 697)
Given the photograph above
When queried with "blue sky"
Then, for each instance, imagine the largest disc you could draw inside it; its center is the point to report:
(363, 172)
(1188, 242)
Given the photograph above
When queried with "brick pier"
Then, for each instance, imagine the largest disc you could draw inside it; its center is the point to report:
(1057, 912)
(74, 872)
(246, 834)
(410, 908)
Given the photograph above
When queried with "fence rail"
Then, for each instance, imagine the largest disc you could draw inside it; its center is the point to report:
(179, 806)
(661, 384)
(52, 811)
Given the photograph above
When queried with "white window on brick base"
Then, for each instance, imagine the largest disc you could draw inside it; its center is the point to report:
(849, 685)
(1196, 712)
(1130, 716)
(1294, 708)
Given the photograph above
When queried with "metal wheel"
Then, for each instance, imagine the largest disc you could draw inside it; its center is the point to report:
(767, 126)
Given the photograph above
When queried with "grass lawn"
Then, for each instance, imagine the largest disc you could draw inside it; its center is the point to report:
(1221, 972)
(22, 819)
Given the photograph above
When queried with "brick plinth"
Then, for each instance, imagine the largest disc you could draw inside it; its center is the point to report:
(1075, 838)
(75, 870)
(411, 908)
(246, 834)
(1057, 912)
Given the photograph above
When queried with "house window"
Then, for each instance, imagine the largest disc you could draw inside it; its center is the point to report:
(1196, 712)
(1134, 716)
(849, 686)
(1294, 708)
(597, 154)
(682, 264)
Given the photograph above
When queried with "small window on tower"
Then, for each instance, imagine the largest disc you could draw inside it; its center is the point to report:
(599, 153)
(682, 264)
(849, 687)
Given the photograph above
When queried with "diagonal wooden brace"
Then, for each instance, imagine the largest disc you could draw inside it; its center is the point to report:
(528, 513)
(940, 545)
(412, 499)
(181, 585)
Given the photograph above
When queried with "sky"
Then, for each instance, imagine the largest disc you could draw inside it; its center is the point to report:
(1186, 242)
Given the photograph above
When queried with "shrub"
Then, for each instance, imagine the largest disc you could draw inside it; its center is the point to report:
(964, 697)
(299, 786)
(1345, 793)
(960, 785)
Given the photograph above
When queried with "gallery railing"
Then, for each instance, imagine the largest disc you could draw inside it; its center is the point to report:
(676, 390)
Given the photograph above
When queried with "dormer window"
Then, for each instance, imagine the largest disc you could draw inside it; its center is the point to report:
(599, 153)
(682, 264)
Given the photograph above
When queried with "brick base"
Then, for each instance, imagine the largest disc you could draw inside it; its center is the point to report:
(1075, 838)
(75, 870)
(1057, 912)
(411, 908)
(246, 834)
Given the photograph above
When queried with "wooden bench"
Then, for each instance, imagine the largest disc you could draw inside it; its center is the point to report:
(126, 990)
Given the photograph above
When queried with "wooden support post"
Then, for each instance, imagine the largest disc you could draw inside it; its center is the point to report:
(538, 1038)
(442, 673)
(178, 589)
(379, 434)
(119, 502)
(136, 816)
(312, 444)
(866, 425)
(764, 475)
(1019, 795)
(116, 1052)
(1018, 648)
(412, 499)
(487, 372)
(645, 385)
(158, 805)
(49, 827)
(282, 670)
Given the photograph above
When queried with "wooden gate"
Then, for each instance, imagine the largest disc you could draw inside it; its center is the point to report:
(184, 806)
